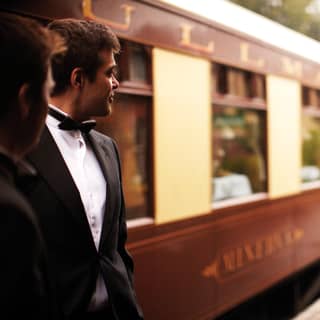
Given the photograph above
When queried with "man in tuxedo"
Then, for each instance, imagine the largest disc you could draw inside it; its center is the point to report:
(79, 199)
(25, 51)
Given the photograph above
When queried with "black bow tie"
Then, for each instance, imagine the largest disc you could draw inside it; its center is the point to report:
(67, 123)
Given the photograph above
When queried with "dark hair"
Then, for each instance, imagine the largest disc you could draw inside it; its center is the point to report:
(85, 40)
(26, 48)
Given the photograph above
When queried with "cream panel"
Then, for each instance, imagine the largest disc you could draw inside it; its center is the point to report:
(284, 142)
(181, 135)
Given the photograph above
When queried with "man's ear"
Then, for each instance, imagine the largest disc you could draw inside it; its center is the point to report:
(24, 103)
(77, 78)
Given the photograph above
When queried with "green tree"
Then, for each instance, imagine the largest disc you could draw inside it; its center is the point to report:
(299, 15)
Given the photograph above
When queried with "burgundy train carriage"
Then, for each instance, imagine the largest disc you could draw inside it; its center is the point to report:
(218, 124)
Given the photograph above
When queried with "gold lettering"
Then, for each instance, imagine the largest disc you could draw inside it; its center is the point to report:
(88, 13)
(249, 252)
(298, 234)
(277, 241)
(291, 67)
(288, 237)
(239, 255)
(244, 56)
(229, 260)
(259, 249)
(268, 246)
(186, 41)
(211, 270)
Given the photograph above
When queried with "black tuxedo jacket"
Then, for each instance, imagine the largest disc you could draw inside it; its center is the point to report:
(24, 287)
(73, 256)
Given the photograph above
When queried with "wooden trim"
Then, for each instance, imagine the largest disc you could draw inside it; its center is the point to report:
(187, 33)
(45, 10)
(137, 88)
(229, 255)
(240, 102)
(151, 230)
(142, 21)
(311, 111)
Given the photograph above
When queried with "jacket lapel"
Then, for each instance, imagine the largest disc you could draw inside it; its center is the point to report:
(50, 164)
(107, 163)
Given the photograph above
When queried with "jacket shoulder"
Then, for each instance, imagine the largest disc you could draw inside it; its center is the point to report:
(102, 137)
(12, 200)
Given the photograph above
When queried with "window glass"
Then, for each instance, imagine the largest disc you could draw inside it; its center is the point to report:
(129, 126)
(137, 64)
(239, 157)
(310, 97)
(134, 63)
(310, 148)
(236, 82)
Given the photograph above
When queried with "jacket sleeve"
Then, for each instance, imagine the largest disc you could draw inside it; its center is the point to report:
(22, 293)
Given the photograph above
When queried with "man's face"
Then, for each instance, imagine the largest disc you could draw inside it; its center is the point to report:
(98, 95)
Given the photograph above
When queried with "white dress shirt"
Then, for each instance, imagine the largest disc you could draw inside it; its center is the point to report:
(89, 179)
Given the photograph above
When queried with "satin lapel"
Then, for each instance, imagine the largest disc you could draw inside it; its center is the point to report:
(108, 165)
(50, 164)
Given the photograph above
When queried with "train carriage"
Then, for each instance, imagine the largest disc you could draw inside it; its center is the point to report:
(218, 125)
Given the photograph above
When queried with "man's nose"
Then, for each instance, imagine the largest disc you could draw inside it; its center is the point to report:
(115, 82)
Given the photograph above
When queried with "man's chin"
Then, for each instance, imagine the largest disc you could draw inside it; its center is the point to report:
(108, 110)
(103, 112)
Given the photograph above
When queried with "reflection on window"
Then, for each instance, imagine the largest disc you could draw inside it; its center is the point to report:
(310, 98)
(129, 126)
(134, 63)
(239, 166)
(137, 64)
(236, 82)
(310, 148)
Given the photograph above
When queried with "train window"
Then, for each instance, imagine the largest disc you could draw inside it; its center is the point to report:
(310, 98)
(130, 126)
(239, 136)
(134, 63)
(310, 171)
(257, 86)
(219, 78)
(238, 83)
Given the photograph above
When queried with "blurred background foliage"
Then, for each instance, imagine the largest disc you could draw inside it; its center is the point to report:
(311, 149)
(300, 15)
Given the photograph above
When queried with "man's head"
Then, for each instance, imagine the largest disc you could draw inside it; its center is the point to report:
(25, 52)
(87, 67)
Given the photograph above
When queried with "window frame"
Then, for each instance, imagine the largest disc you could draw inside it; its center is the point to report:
(128, 87)
(311, 110)
(221, 96)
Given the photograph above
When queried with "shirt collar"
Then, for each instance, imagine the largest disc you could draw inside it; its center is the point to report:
(57, 109)
(53, 123)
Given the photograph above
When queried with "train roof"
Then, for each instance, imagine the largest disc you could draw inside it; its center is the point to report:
(248, 22)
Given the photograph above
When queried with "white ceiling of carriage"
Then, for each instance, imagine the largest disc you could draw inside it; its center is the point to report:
(248, 22)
